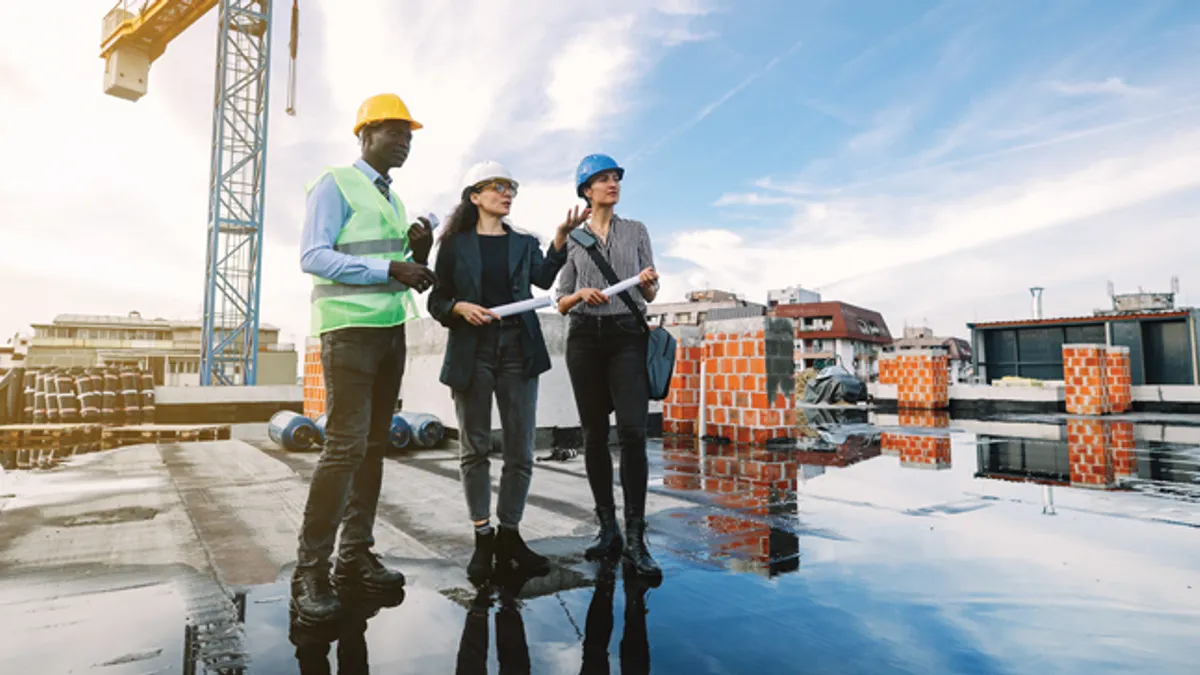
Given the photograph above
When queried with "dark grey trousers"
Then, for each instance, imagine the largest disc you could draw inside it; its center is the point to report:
(363, 368)
(500, 374)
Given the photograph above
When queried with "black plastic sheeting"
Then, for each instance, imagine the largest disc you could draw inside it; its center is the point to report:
(835, 384)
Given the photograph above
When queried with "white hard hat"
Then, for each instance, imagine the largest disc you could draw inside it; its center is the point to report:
(484, 171)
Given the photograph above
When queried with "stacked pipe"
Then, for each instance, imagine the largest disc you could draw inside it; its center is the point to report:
(89, 398)
(30, 396)
(130, 396)
(147, 401)
(110, 410)
(40, 413)
(68, 402)
(50, 387)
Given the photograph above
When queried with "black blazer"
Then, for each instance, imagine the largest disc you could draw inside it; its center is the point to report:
(459, 272)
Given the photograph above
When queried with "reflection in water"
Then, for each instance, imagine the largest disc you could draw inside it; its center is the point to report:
(512, 649)
(635, 642)
(312, 641)
(1091, 453)
(920, 450)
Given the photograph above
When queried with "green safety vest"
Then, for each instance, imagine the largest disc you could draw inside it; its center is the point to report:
(376, 229)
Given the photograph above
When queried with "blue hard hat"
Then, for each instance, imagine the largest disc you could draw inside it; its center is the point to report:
(590, 166)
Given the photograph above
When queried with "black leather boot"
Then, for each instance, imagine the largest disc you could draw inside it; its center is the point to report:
(608, 540)
(512, 555)
(361, 570)
(313, 600)
(636, 551)
(479, 570)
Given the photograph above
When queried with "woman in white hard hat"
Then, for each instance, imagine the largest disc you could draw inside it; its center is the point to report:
(481, 263)
(606, 357)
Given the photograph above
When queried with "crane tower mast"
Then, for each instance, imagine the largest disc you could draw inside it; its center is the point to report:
(233, 269)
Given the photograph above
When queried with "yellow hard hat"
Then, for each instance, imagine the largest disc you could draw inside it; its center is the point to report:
(383, 107)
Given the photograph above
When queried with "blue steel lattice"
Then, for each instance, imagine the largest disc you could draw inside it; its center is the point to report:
(233, 271)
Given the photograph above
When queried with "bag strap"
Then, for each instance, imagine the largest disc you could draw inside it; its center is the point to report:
(611, 276)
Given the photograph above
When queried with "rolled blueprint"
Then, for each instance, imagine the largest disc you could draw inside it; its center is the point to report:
(533, 304)
(621, 286)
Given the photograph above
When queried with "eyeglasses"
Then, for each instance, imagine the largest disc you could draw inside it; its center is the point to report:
(504, 187)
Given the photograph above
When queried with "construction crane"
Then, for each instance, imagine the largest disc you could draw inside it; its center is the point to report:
(132, 41)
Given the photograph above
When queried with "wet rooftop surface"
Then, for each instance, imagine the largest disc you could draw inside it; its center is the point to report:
(909, 543)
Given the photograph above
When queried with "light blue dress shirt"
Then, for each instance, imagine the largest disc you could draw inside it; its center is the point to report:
(326, 212)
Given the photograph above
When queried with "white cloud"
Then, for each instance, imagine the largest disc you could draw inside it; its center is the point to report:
(1115, 86)
(110, 196)
(896, 245)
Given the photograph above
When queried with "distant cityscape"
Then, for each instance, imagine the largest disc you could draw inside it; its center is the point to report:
(1161, 336)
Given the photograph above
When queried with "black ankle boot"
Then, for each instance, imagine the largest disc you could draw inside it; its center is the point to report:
(359, 570)
(636, 551)
(313, 599)
(608, 540)
(479, 570)
(512, 555)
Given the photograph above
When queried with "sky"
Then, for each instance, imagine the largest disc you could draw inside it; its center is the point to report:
(928, 160)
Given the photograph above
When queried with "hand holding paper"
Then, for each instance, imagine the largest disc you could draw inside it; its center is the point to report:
(530, 305)
(622, 286)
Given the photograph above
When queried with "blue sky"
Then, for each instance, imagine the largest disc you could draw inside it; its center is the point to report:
(929, 160)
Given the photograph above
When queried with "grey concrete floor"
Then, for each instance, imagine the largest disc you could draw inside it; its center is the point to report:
(145, 558)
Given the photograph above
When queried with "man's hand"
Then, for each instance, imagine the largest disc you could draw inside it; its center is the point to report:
(592, 296)
(574, 219)
(474, 314)
(420, 239)
(414, 275)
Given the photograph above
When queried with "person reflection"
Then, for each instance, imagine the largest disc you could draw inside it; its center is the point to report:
(313, 639)
(512, 650)
(635, 643)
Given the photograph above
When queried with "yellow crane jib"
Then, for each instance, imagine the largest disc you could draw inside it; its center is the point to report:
(131, 41)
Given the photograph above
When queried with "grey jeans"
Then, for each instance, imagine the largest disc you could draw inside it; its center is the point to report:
(363, 368)
(500, 373)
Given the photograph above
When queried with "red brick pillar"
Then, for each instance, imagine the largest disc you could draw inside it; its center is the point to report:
(889, 368)
(923, 379)
(314, 380)
(1118, 380)
(1088, 453)
(1123, 446)
(681, 409)
(749, 388)
(1084, 374)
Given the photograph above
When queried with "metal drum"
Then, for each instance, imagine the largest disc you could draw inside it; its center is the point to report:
(292, 432)
(401, 433)
(427, 430)
(319, 423)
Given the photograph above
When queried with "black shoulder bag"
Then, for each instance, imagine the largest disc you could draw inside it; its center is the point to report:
(660, 344)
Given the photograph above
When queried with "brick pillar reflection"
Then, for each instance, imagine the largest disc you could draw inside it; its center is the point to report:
(1123, 445)
(1088, 453)
(919, 451)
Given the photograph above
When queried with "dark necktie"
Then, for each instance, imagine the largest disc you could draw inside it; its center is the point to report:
(383, 189)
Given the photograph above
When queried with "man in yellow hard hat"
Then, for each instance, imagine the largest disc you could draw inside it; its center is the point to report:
(366, 260)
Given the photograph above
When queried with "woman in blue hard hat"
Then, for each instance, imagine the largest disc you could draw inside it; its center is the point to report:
(482, 263)
(606, 356)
